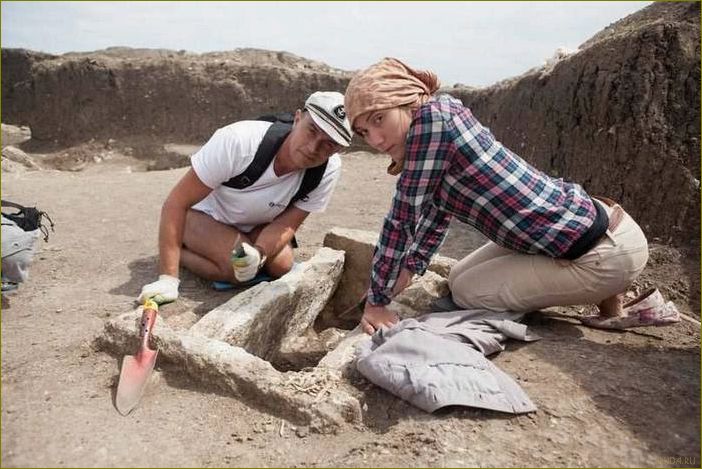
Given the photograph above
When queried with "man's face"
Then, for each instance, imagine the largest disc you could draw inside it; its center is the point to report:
(309, 145)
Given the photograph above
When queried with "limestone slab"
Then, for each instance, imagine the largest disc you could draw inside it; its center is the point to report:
(18, 156)
(317, 398)
(265, 318)
(359, 246)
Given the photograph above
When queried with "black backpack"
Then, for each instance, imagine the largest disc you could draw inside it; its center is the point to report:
(28, 218)
(272, 140)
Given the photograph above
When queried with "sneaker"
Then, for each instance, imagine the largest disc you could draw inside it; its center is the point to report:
(650, 298)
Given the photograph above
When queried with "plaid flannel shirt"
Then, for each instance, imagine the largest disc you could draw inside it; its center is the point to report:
(455, 167)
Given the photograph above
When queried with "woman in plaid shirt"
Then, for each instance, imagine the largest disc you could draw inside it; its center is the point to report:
(551, 243)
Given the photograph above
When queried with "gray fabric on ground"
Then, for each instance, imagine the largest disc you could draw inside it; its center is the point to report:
(439, 359)
(18, 248)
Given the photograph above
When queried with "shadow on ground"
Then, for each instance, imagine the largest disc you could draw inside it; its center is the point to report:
(634, 377)
(196, 295)
(653, 389)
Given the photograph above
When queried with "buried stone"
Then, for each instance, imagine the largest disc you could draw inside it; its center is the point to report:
(317, 398)
(249, 344)
(359, 246)
(269, 319)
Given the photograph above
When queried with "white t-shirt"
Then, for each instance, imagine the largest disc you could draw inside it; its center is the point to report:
(227, 154)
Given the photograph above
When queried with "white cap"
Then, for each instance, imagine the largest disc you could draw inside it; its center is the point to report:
(327, 111)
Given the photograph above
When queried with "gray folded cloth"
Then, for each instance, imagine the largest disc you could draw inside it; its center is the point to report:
(440, 359)
(18, 249)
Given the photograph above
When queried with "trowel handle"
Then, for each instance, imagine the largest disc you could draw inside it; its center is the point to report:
(148, 319)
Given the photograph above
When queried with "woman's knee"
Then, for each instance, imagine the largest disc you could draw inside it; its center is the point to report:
(504, 283)
(460, 267)
(453, 273)
(465, 298)
(468, 291)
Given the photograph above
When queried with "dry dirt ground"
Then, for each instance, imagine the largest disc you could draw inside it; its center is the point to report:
(604, 398)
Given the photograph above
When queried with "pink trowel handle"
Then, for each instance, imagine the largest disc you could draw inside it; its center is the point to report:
(148, 318)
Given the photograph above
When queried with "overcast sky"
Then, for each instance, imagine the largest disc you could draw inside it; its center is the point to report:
(475, 43)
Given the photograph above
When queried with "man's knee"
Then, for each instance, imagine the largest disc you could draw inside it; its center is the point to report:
(282, 263)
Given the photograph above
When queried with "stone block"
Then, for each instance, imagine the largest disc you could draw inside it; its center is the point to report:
(424, 290)
(442, 265)
(308, 349)
(13, 135)
(342, 358)
(266, 317)
(359, 246)
(317, 398)
(18, 156)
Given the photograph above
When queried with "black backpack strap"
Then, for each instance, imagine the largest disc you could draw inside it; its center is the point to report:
(269, 146)
(286, 117)
(28, 218)
(310, 181)
(7, 203)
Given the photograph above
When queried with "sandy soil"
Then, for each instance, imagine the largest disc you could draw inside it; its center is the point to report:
(604, 398)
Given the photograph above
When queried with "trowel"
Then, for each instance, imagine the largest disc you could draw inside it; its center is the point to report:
(137, 369)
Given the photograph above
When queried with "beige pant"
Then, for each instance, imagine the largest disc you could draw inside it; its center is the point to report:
(497, 278)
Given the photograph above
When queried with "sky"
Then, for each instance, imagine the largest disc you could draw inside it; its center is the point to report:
(473, 43)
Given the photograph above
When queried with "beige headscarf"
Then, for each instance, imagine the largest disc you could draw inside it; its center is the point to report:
(387, 84)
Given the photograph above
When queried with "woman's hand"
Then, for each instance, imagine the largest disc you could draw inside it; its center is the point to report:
(403, 281)
(374, 317)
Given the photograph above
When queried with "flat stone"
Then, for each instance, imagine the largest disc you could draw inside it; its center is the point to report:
(358, 246)
(317, 398)
(442, 265)
(9, 166)
(268, 317)
(342, 358)
(13, 135)
(423, 291)
(309, 348)
(18, 156)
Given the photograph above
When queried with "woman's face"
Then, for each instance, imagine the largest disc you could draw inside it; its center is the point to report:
(385, 130)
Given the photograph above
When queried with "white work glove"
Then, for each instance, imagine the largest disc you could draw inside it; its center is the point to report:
(163, 290)
(247, 266)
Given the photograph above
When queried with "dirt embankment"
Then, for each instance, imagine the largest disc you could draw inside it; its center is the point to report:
(621, 116)
(170, 95)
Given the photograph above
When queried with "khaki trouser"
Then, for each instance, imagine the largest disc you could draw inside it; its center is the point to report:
(500, 279)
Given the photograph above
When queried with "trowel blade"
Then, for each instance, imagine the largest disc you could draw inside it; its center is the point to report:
(133, 378)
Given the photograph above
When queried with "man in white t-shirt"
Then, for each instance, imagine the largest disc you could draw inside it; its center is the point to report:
(205, 220)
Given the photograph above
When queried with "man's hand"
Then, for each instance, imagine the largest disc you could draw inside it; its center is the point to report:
(163, 290)
(374, 317)
(246, 266)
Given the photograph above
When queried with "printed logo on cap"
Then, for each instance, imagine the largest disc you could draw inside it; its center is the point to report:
(339, 112)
